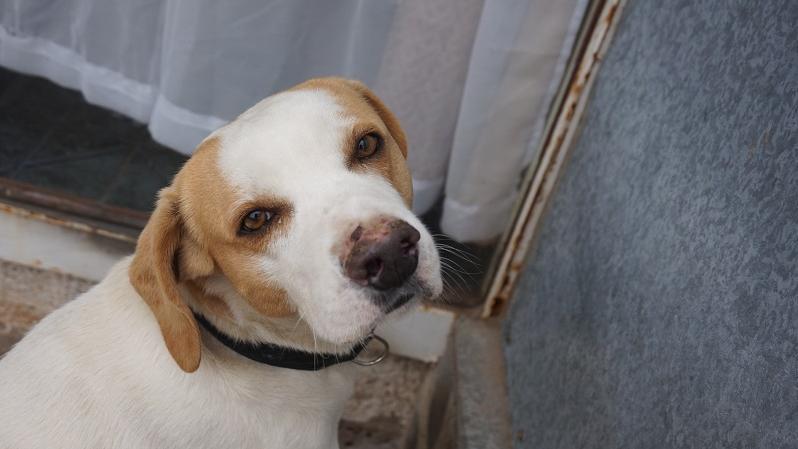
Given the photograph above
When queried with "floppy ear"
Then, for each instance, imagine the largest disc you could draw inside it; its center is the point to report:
(390, 120)
(153, 274)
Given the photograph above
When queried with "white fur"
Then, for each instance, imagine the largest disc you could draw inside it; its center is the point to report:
(96, 373)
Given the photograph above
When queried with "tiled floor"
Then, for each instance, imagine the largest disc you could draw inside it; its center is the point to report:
(52, 138)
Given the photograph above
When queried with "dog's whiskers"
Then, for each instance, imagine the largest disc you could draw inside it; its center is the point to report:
(468, 256)
(453, 280)
(456, 269)
(454, 253)
(298, 320)
(453, 265)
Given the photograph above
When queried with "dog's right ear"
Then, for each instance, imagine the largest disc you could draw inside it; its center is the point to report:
(154, 273)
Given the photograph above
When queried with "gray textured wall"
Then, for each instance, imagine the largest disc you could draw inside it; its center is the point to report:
(660, 305)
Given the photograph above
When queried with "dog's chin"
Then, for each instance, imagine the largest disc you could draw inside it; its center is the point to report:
(349, 333)
(367, 309)
(400, 302)
(405, 298)
(372, 309)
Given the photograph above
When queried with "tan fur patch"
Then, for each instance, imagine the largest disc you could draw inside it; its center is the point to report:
(370, 113)
(185, 240)
(207, 198)
(209, 303)
(153, 276)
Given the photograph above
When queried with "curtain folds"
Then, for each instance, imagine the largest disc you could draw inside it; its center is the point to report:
(517, 61)
(469, 79)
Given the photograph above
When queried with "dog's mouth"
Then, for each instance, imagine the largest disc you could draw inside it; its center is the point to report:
(399, 302)
(395, 300)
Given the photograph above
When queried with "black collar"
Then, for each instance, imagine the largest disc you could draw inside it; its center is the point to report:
(281, 356)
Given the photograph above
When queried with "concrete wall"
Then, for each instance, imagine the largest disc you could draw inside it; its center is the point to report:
(660, 305)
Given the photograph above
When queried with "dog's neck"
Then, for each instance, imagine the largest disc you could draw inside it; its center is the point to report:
(217, 300)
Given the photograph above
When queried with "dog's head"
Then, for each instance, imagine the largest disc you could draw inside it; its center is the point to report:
(301, 207)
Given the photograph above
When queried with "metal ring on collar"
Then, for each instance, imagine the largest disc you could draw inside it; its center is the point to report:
(379, 358)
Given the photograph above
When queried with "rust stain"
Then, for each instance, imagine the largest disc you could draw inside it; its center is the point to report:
(610, 16)
(70, 204)
(576, 89)
(590, 58)
(571, 111)
(497, 306)
(82, 227)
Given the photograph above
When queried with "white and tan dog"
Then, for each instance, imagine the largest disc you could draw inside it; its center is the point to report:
(289, 227)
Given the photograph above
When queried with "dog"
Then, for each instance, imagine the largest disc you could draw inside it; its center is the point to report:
(263, 270)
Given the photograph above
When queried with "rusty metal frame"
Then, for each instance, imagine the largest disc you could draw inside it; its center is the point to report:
(599, 24)
(57, 219)
(30, 194)
(69, 211)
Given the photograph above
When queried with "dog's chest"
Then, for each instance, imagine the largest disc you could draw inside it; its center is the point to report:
(116, 385)
(281, 409)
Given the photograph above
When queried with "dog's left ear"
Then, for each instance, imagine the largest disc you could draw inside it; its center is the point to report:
(154, 274)
(387, 117)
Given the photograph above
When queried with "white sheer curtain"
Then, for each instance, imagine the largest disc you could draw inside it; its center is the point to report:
(514, 72)
(469, 79)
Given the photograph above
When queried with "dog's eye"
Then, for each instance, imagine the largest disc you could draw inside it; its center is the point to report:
(367, 146)
(256, 219)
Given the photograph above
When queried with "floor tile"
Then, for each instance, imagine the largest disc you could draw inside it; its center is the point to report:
(52, 138)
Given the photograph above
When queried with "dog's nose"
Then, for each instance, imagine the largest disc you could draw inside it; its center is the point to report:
(384, 256)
